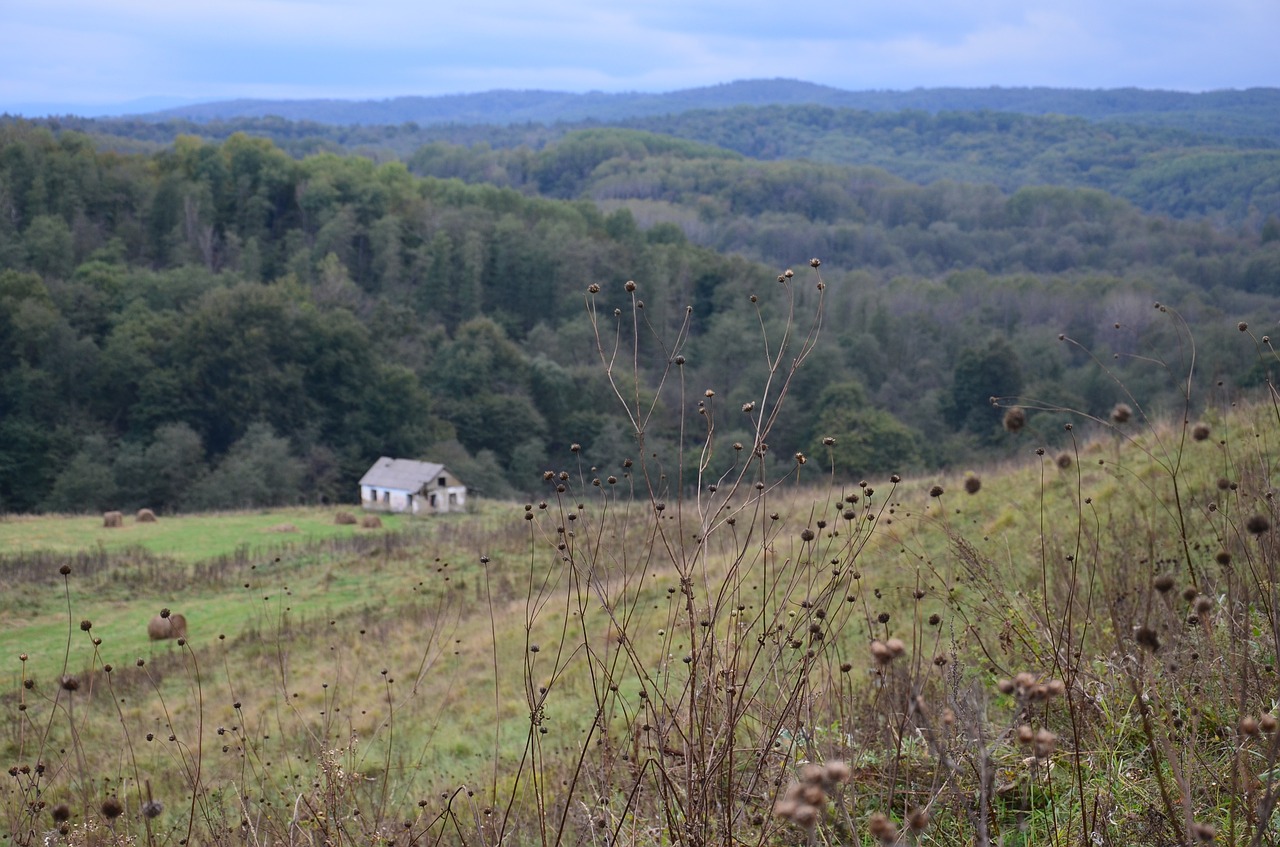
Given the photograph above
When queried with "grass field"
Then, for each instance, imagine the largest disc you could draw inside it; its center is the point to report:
(376, 670)
(1078, 647)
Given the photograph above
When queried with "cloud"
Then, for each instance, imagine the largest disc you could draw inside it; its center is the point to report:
(89, 50)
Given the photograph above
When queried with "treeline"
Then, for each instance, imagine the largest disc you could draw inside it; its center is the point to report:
(222, 325)
(1245, 113)
(1165, 171)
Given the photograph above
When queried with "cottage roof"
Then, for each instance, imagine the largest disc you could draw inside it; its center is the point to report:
(401, 474)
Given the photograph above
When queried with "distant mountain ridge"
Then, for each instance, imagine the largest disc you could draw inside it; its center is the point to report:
(1253, 112)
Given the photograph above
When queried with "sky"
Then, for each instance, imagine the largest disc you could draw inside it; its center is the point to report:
(107, 52)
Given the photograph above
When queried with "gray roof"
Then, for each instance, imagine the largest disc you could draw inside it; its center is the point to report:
(401, 474)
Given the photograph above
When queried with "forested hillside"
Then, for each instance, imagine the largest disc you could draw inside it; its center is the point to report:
(1165, 171)
(1250, 113)
(220, 324)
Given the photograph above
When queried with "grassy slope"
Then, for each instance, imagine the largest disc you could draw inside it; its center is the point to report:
(310, 630)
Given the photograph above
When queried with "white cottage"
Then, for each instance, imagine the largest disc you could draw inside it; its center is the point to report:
(416, 488)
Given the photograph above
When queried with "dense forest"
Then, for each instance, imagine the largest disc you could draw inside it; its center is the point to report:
(1166, 171)
(216, 323)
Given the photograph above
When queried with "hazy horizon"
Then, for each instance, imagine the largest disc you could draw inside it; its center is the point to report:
(84, 54)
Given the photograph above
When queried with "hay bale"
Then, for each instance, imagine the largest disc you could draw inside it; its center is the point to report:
(146, 516)
(112, 520)
(344, 519)
(371, 522)
(165, 625)
(282, 527)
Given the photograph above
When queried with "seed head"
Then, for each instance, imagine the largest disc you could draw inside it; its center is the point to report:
(1200, 431)
(882, 829)
(1121, 413)
(1248, 726)
(918, 820)
(1015, 419)
(152, 809)
(593, 288)
(1257, 524)
(1146, 637)
(881, 652)
(804, 816)
(813, 263)
(1045, 742)
(1064, 460)
(1242, 326)
(1203, 832)
(1267, 722)
(1163, 583)
(69, 682)
(64, 570)
(61, 813)
(630, 285)
(972, 484)
(111, 808)
(935, 491)
(86, 625)
(838, 771)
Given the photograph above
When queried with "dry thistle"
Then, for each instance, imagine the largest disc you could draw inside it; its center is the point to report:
(1203, 832)
(1121, 413)
(111, 808)
(882, 829)
(881, 652)
(972, 484)
(1045, 742)
(1064, 460)
(1257, 524)
(1015, 419)
(1146, 637)
(1163, 583)
(1200, 431)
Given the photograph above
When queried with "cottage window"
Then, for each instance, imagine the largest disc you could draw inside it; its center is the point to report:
(442, 482)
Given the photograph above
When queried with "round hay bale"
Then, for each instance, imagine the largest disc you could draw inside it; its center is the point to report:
(345, 519)
(112, 520)
(371, 522)
(146, 516)
(167, 625)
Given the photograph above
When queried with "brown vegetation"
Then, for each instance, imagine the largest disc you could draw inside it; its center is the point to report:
(371, 522)
(345, 519)
(112, 520)
(146, 516)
